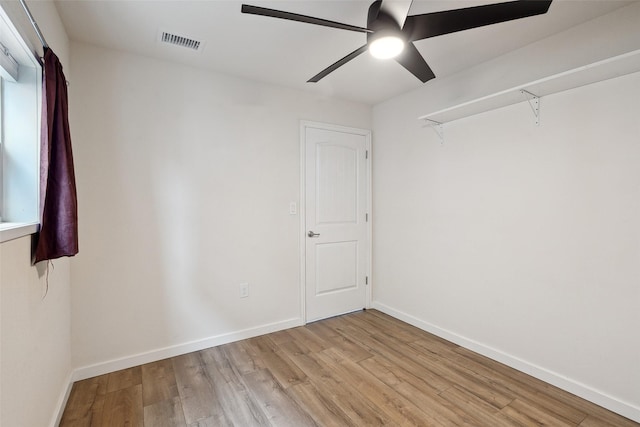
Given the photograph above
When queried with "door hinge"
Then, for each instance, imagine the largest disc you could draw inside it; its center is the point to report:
(366, 280)
(366, 154)
(366, 217)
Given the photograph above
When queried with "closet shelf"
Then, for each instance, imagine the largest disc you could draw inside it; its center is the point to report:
(598, 71)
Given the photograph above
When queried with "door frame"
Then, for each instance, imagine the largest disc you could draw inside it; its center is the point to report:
(304, 124)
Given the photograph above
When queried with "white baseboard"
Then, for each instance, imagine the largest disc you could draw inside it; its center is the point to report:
(588, 393)
(62, 401)
(176, 350)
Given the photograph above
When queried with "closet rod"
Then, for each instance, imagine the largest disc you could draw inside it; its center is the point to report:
(34, 24)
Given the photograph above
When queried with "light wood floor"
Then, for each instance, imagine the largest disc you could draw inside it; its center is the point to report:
(361, 369)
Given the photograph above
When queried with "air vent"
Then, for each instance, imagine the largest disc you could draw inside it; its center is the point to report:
(181, 41)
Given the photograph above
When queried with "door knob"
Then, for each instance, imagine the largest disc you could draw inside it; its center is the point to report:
(312, 234)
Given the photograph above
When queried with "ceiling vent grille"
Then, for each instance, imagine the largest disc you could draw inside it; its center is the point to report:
(181, 41)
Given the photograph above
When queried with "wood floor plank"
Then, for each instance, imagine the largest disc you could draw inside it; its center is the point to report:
(284, 371)
(483, 387)
(503, 382)
(524, 387)
(444, 362)
(123, 407)
(396, 356)
(435, 346)
(165, 413)
(159, 382)
(398, 378)
(243, 361)
(195, 389)
(86, 402)
(608, 419)
(360, 369)
(348, 347)
(229, 364)
(414, 391)
(527, 414)
(124, 379)
(424, 361)
(342, 394)
(91, 419)
(280, 337)
(205, 422)
(319, 405)
(279, 408)
(379, 324)
(475, 407)
(399, 410)
(311, 341)
(239, 406)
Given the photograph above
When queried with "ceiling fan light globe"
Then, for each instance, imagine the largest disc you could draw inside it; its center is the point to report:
(386, 47)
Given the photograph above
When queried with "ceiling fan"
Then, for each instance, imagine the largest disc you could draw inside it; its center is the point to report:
(391, 33)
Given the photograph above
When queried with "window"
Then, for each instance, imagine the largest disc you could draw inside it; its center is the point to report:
(20, 93)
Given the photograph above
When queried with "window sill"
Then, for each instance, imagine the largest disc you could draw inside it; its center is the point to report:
(15, 230)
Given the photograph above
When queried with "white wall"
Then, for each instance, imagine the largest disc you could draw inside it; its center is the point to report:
(184, 179)
(35, 331)
(35, 337)
(518, 241)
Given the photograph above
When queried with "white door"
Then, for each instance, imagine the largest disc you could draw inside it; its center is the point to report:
(336, 231)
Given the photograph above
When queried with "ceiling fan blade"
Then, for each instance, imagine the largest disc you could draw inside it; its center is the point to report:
(273, 13)
(397, 9)
(413, 61)
(337, 64)
(418, 27)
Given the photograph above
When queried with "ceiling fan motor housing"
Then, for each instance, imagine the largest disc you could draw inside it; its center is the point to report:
(381, 23)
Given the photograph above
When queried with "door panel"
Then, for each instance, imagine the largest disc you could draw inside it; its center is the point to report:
(337, 191)
(336, 267)
(337, 255)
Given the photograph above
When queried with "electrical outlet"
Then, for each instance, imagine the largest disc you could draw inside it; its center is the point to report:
(244, 290)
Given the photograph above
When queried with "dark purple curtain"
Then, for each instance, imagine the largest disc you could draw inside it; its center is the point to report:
(58, 235)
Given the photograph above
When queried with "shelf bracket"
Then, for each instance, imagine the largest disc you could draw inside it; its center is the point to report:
(437, 127)
(534, 103)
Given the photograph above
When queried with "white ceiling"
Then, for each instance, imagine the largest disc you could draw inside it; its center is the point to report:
(288, 53)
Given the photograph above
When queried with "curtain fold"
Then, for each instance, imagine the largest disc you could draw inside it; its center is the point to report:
(58, 234)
